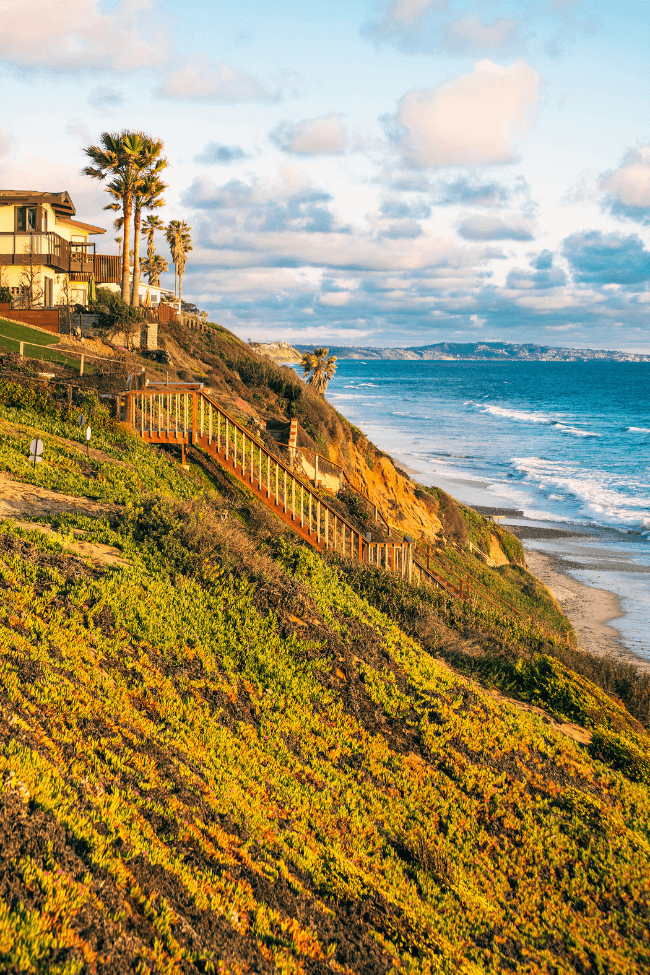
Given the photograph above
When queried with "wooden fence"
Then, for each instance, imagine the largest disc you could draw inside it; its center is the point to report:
(45, 318)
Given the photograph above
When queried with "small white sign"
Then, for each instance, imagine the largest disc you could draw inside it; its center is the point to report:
(35, 451)
(87, 433)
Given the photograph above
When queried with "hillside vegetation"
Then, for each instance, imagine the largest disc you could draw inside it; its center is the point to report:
(221, 752)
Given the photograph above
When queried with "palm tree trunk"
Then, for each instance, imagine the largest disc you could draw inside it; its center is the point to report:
(135, 298)
(128, 206)
(180, 285)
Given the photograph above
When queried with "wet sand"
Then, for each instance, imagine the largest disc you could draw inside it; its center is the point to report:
(589, 609)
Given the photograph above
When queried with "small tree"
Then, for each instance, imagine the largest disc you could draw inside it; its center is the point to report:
(319, 368)
(151, 224)
(153, 267)
(180, 242)
(66, 304)
(31, 279)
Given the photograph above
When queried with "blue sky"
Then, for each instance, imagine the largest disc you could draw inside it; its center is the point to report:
(364, 173)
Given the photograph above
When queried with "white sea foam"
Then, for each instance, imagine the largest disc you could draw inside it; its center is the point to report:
(638, 430)
(536, 416)
(358, 385)
(604, 497)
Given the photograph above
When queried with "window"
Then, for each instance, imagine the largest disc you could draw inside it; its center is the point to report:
(26, 218)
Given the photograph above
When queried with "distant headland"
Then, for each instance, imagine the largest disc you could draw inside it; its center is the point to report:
(481, 351)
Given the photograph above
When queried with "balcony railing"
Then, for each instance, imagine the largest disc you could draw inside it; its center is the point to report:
(46, 248)
(106, 269)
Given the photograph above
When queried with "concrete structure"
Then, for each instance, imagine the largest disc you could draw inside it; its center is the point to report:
(44, 251)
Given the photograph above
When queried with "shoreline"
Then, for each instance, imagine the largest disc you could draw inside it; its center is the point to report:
(589, 608)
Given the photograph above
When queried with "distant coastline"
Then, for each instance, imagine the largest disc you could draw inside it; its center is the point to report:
(478, 351)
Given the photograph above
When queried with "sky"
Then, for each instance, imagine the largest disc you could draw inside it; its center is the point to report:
(363, 173)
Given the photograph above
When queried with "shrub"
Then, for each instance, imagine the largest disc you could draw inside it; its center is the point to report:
(115, 315)
(624, 751)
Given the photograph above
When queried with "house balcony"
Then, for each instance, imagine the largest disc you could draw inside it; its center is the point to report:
(46, 249)
(105, 268)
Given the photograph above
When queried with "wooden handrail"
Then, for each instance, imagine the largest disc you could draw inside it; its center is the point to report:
(362, 494)
(191, 428)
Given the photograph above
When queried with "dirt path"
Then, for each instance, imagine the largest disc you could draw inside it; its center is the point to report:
(18, 500)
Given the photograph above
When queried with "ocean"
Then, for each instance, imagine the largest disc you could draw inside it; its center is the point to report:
(567, 444)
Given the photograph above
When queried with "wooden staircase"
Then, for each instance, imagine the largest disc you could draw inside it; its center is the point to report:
(185, 415)
(182, 415)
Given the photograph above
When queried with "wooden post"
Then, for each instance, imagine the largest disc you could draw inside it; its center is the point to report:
(119, 402)
(284, 493)
(293, 499)
(81, 364)
(21, 353)
(195, 417)
(410, 558)
(209, 424)
(360, 548)
(318, 522)
(327, 528)
(302, 506)
(227, 440)
(315, 470)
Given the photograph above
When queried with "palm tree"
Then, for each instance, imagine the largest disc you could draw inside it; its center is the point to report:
(149, 197)
(180, 242)
(319, 368)
(124, 158)
(117, 158)
(153, 267)
(152, 223)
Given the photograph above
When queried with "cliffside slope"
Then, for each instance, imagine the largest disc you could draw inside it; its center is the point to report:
(220, 752)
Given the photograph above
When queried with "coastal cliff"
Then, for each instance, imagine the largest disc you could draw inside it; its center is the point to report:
(221, 750)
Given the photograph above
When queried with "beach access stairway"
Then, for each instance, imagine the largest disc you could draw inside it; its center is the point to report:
(181, 416)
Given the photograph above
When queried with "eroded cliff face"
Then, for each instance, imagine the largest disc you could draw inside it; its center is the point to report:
(432, 517)
(394, 495)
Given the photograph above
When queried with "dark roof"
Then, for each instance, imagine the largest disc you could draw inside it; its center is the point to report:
(60, 202)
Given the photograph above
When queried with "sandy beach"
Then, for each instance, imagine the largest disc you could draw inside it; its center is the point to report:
(590, 610)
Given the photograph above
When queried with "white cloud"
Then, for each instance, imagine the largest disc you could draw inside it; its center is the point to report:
(312, 137)
(335, 299)
(48, 175)
(204, 80)
(630, 183)
(81, 34)
(472, 34)
(470, 120)
(482, 227)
